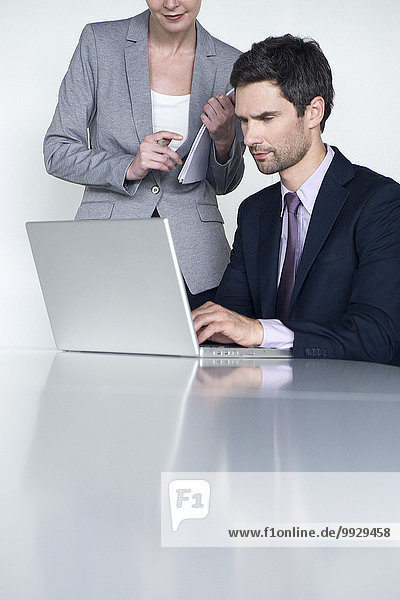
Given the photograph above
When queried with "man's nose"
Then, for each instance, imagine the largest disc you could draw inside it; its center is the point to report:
(252, 135)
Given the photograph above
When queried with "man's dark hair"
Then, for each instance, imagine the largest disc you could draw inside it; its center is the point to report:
(298, 66)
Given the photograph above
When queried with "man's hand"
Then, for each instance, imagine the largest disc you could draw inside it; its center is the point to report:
(219, 118)
(154, 154)
(218, 324)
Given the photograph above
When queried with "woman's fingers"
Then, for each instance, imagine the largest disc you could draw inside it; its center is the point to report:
(154, 153)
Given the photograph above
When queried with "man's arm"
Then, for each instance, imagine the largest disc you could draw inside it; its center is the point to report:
(234, 291)
(235, 320)
(370, 326)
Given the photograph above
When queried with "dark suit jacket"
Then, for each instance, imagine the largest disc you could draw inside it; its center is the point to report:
(346, 299)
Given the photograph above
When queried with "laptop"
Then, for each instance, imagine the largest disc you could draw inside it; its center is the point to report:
(115, 286)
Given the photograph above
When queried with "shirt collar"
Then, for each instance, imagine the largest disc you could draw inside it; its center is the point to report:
(308, 192)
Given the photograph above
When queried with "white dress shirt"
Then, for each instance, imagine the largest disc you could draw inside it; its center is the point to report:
(276, 335)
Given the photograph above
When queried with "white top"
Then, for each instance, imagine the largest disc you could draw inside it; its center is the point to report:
(170, 113)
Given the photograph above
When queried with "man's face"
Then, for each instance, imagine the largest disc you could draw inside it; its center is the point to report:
(277, 138)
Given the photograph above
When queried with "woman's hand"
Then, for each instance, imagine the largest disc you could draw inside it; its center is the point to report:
(219, 118)
(154, 154)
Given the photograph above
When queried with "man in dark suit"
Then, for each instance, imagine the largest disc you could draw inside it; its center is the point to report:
(315, 263)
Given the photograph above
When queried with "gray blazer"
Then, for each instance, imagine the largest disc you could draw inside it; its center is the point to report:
(106, 91)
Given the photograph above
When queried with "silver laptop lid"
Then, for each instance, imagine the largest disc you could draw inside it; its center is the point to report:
(113, 286)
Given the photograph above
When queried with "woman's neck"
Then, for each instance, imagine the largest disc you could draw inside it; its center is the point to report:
(183, 42)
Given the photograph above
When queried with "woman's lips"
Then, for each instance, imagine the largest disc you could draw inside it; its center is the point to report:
(173, 17)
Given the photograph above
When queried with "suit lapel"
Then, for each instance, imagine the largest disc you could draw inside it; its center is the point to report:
(137, 71)
(270, 234)
(204, 70)
(330, 200)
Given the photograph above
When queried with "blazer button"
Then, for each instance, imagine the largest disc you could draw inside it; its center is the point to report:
(155, 189)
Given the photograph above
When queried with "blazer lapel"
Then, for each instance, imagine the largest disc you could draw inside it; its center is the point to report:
(330, 200)
(270, 234)
(137, 71)
(204, 70)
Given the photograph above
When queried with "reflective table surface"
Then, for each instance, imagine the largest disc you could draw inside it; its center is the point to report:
(85, 437)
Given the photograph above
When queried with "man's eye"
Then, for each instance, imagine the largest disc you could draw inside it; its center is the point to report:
(267, 118)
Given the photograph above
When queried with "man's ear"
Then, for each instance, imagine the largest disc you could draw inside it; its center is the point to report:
(315, 111)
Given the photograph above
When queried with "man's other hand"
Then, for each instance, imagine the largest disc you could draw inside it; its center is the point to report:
(218, 324)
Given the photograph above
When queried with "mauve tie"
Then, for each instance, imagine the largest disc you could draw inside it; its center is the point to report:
(288, 274)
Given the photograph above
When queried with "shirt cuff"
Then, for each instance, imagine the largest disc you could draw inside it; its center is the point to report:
(230, 155)
(276, 334)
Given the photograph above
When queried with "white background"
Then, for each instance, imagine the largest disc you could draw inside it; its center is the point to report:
(359, 38)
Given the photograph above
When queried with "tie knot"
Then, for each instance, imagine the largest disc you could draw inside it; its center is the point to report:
(292, 202)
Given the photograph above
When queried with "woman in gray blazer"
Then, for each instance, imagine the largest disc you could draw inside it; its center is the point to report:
(125, 80)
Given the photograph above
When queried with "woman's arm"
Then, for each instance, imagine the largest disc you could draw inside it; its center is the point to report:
(219, 118)
(226, 165)
(67, 150)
